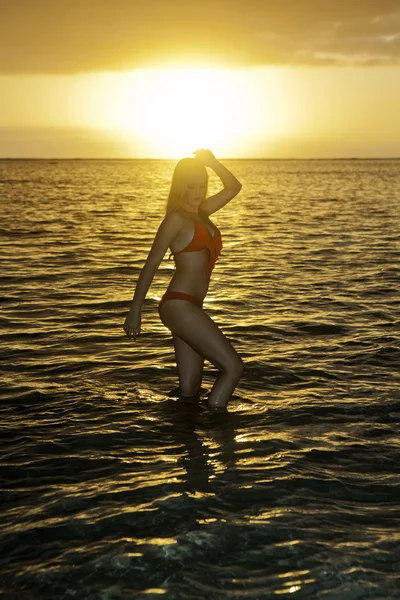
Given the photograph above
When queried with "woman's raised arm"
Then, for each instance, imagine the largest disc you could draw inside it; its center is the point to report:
(168, 230)
(231, 185)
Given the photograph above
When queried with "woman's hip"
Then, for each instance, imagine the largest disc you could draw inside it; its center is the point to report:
(174, 295)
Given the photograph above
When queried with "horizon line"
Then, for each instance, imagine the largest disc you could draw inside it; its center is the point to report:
(178, 158)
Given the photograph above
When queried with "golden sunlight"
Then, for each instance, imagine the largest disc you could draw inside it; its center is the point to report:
(171, 112)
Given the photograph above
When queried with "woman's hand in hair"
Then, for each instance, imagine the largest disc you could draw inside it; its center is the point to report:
(205, 156)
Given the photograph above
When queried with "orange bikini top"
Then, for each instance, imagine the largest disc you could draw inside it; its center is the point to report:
(203, 239)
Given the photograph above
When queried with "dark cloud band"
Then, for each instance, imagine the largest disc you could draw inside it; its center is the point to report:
(69, 36)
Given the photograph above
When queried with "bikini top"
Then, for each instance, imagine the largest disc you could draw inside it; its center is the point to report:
(203, 239)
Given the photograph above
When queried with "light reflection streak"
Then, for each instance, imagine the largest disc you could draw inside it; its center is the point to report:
(155, 541)
(291, 590)
(293, 573)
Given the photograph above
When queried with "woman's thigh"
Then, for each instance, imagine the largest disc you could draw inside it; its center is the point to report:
(191, 324)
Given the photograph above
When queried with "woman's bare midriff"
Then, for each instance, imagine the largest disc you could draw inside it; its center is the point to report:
(191, 274)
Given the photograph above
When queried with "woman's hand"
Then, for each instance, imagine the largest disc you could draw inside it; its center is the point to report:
(205, 156)
(132, 324)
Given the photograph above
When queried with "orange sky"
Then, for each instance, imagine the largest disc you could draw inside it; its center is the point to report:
(279, 78)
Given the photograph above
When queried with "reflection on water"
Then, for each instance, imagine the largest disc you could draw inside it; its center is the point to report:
(110, 486)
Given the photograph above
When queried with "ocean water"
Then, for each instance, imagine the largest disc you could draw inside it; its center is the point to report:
(112, 488)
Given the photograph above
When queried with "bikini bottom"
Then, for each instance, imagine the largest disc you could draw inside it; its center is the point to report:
(170, 295)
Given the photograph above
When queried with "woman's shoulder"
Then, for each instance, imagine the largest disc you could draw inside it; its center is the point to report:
(180, 216)
(174, 220)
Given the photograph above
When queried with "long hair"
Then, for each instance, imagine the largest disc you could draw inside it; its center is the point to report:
(178, 192)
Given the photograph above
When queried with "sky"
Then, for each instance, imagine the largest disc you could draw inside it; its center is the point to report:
(158, 79)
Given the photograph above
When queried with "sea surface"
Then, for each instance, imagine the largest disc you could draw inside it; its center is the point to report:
(113, 488)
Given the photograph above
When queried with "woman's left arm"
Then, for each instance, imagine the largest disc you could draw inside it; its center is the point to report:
(231, 185)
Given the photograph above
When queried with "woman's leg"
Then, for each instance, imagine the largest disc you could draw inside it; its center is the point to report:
(190, 368)
(192, 325)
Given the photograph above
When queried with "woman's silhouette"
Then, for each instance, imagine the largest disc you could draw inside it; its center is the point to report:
(195, 244)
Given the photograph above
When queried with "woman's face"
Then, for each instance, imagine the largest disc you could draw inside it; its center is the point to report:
(195, 191)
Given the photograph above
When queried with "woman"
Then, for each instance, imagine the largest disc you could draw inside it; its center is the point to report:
(195, 244)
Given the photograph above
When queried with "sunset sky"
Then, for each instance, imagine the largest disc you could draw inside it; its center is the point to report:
(160, 78)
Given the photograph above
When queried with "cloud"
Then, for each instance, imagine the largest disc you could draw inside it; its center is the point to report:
(72, 36)
(59, 142)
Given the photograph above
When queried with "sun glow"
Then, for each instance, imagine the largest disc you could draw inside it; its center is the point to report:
(171, 112)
